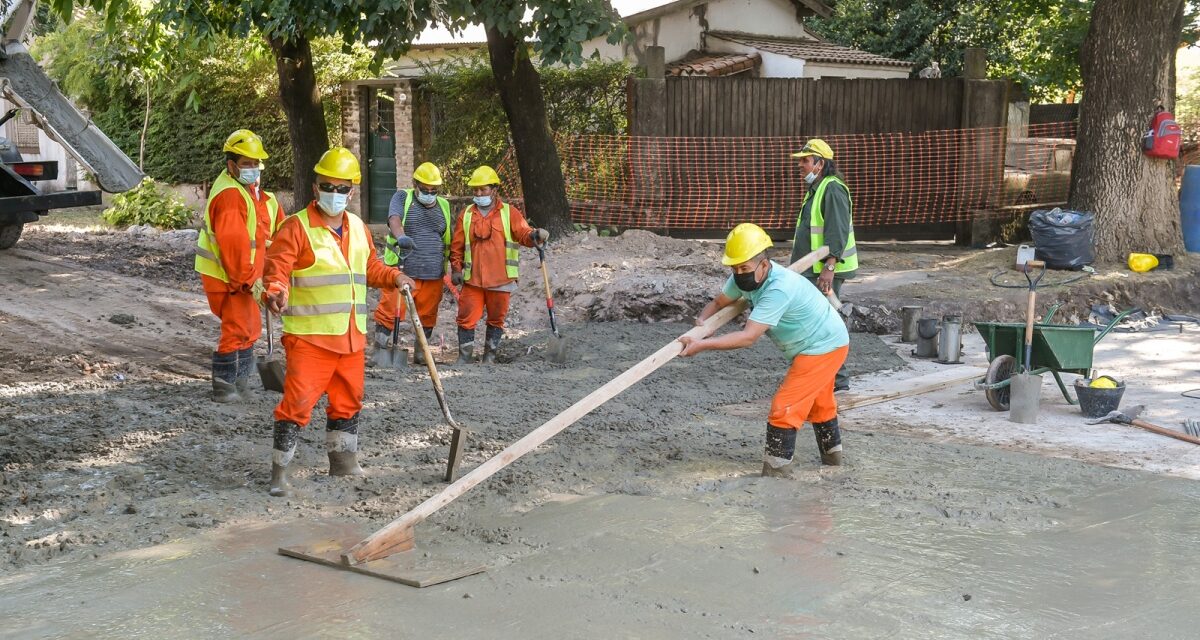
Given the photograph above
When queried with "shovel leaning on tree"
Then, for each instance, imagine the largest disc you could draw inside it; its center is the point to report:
(458, 441)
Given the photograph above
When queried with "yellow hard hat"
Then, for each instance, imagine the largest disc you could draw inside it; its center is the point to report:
(429, 174)
(815, 147)
(339, 163)
(1142, 262)
(245, 142)
(744, 242)
(1103, 382)
(483, 176)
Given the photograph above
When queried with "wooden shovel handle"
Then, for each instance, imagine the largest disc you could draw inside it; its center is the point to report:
(1170, 433)
(423, 344)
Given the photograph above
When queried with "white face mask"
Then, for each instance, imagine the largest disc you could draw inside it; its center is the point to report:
(248, 176)
(811, 177)
(483, 202)
(333, 203)
(426, 199)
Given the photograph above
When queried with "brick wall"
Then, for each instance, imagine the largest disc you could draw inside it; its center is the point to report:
(405, 149)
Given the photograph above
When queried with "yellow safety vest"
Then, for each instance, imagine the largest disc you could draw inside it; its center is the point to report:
(208, 252)
(322, 297)
(849, 257)
(391, 258)
(512, 258)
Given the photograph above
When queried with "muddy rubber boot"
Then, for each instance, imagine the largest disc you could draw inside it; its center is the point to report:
(224, 377)
(491, 344)
(282, 452)
(466, 346)
(341, 439)
(418, 355)
(246, 369)
(829, 442)
(781, 447)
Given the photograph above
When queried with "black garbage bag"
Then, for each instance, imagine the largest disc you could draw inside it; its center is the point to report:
(1063, 239)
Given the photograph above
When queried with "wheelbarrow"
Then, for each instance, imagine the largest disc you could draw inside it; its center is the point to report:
(1057, 348)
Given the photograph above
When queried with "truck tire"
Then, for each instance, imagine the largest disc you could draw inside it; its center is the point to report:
(9, 234)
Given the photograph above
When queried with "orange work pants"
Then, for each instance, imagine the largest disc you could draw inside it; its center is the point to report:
(473, 300)
(241, 319)
(313, 372)
(806, 394)
(428, 296)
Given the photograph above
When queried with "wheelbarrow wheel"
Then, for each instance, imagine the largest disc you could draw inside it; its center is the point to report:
(1000, 370)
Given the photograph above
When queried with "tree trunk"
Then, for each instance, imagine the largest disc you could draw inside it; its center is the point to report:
(1128, 66)
(145, 127)
(305, 114)
(537, 156)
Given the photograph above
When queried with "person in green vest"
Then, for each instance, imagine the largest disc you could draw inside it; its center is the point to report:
(826, 218)
(420, 225)
(239, 221)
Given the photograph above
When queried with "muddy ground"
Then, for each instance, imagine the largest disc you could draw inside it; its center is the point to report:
(108, 441)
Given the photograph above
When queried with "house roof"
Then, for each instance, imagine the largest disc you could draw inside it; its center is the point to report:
(713, 64)
(810, 50)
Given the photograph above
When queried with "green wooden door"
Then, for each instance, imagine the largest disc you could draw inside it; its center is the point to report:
(381, 154)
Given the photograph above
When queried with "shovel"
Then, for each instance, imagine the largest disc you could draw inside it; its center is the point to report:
(270, 370)
(1026, 389)
(1130, 416)
(558, 344)
(392, 356)
(458, 441)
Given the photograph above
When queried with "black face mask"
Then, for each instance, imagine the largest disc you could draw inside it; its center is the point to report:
(747, 281)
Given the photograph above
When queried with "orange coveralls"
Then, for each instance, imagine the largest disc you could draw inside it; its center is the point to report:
(487, 264)
(241, 319)
(318, 364)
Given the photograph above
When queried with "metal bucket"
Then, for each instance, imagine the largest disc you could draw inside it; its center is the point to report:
(927, 338)
(950, 340)
(908, 323)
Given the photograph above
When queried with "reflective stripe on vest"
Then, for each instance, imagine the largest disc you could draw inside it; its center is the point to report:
(322, 297)
(208, 252)
(816, 228)
(512, 257)
(391, 258)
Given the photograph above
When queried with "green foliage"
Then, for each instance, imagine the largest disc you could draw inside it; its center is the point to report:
(1035, 42)
(469, 124)
(201, 91)
(149, 203)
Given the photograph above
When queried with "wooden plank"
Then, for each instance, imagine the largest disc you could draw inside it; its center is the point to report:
(405, 568)
(399, 533)
(914, 387)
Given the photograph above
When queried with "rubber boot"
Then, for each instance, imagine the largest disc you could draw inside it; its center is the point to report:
(246, 369)
(283, 450)
(224, 377)
(418, 354)
(829, 442)
(466, 346)
(341, 439)
(781, 447)
(491, 344)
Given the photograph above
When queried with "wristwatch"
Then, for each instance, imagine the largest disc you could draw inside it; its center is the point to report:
(830, 266)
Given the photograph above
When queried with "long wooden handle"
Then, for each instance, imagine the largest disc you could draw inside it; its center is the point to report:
(398, 536)
(546, 280)
(424, 346)
(1170, 433)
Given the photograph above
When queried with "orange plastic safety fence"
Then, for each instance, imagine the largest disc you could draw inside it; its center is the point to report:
(894, 178)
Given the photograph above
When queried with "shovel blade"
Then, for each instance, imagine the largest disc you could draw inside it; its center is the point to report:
(559, 349)
(391, 358)
(271, 372)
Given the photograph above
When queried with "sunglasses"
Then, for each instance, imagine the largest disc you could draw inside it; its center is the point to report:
(333, 188)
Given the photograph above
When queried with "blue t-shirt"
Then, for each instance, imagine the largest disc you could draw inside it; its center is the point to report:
(801, 319)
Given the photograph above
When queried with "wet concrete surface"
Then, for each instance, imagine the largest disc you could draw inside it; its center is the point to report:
(909, 540)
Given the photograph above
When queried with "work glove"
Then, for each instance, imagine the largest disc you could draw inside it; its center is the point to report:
(404, 244)
(257, 290)
(540, 236)
(456, 278)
